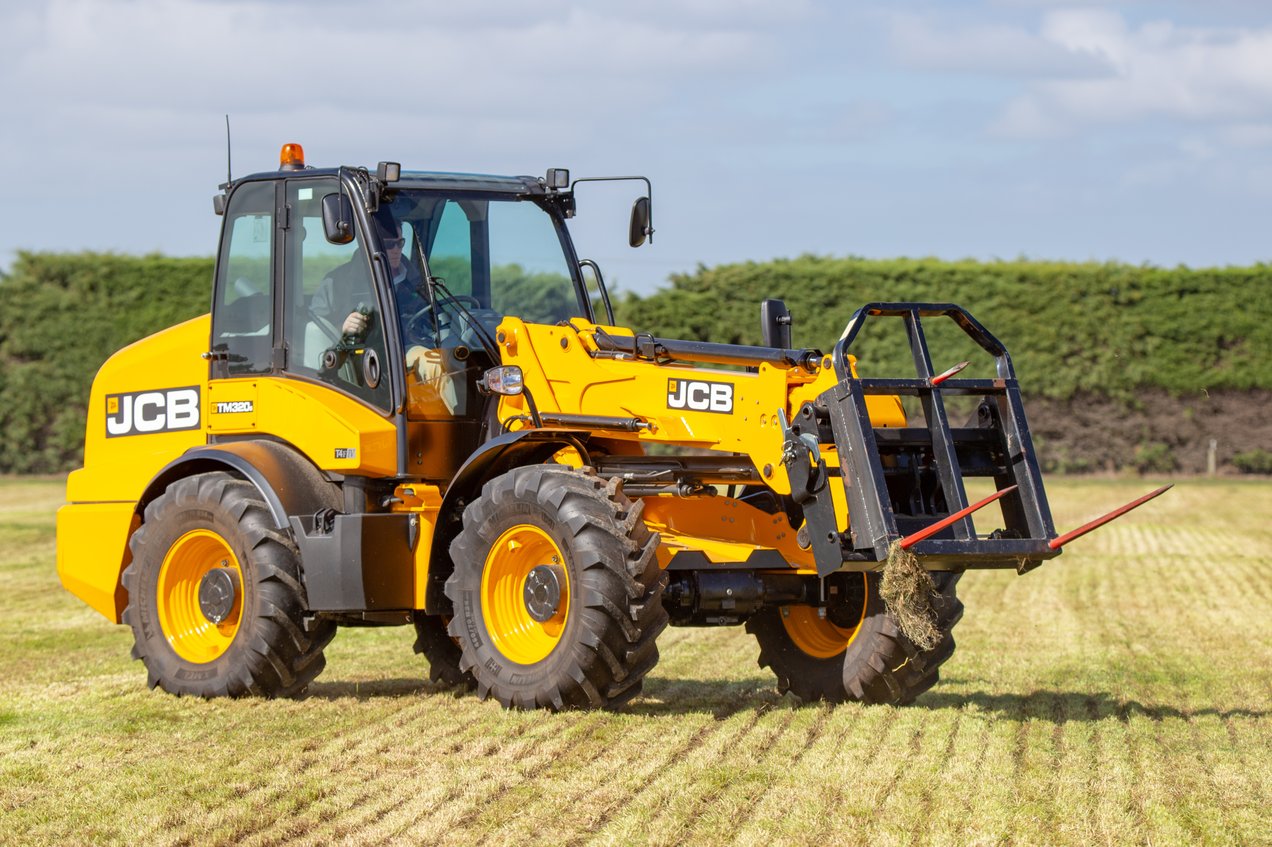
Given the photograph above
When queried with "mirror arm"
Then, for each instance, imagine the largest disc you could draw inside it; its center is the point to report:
(649, 194)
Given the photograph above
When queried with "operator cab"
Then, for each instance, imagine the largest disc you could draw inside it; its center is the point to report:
(389, 287)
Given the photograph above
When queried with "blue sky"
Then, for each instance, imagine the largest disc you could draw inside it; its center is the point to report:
(1136, 131)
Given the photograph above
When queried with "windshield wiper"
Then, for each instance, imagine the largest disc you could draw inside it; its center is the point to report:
(488, 343)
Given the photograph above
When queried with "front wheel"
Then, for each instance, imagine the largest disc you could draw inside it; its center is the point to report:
(853, 650)
(215, 600)
(435, 644)
(556, 590)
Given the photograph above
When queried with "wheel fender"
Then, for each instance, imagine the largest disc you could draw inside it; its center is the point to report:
(288, 482)
(497, 456)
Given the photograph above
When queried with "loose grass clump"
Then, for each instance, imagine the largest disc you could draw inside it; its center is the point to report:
(907, 591)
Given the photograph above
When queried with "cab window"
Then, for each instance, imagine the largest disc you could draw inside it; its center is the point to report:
(529, 276)
(506, 254)
(327, 284)
(242, 314)
(451, 257)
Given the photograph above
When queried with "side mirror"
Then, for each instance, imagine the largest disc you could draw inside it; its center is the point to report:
(639, 227)
(775, 324)
(337, 218)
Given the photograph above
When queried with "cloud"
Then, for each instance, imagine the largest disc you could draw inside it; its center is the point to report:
(998, 49)
(1249, 135)
(195, 56)
(1158, 70)
(132, 92)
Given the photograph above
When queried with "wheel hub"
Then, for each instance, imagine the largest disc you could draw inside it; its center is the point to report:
(543, 592)
(217, 592)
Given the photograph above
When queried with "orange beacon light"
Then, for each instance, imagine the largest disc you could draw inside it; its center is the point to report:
(291, 157)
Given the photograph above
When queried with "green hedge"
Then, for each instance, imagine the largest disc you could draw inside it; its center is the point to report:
(61, 315)
(1107, 328)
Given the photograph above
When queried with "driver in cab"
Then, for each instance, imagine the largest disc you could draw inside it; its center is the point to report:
(347, 291)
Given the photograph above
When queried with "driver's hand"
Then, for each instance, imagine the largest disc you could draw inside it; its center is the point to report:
(355, 324)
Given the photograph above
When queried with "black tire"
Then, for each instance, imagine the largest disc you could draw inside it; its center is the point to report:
(600, 642)
(878, 663)
(435, 644)
(268, 651)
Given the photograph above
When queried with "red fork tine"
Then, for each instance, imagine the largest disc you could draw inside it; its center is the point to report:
(1059, 541)
(927, 531)
(941, 377)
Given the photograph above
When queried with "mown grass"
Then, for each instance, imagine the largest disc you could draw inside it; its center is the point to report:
(1119, 695)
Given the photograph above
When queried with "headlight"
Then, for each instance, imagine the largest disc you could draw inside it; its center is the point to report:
(503, 380)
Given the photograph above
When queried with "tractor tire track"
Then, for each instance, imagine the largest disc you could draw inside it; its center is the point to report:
(704, 800)
(653, 773)
(923, 812)
(487, 748)
(886, 717)
(315, 765)
(516, 767)
(812, 734)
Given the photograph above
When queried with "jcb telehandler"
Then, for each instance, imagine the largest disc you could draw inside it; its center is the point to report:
(409, 405)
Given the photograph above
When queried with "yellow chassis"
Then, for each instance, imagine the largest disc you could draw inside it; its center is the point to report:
(565, 373)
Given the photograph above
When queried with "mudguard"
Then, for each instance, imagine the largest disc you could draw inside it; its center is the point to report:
(497, 456)
(288, 482)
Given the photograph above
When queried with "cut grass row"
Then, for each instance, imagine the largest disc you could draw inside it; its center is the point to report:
(1118, 695)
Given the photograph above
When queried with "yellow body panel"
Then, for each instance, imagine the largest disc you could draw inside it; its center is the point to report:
(721, 528)
(336, 432)
(564, 377)
(424, 501)
(144, 383)
(92, 551)
(118, 467)
(151, 402)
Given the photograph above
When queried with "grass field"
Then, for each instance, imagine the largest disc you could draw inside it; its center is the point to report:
(1119, 695)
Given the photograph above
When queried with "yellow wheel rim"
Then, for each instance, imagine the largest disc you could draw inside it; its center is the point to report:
(194, 637)
(517, 635)
(817, 636)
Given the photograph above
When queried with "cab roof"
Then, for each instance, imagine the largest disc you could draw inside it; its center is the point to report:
(437, 180)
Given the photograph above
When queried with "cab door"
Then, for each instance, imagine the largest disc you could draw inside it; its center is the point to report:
(270, 335)
(243, 303)
(326, 284)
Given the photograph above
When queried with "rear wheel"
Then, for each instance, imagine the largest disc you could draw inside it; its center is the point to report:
(556, 590)
(215, 600)
(855, 651)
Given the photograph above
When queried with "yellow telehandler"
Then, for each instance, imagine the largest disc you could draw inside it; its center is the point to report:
(411, 405)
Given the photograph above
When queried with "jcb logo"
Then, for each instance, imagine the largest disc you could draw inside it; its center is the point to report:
(168, 410)
(700, 396)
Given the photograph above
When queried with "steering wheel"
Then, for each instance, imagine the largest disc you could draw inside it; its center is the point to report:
(421, 325)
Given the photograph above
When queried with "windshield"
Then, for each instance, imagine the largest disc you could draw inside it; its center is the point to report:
(490, 256)
(498, 254)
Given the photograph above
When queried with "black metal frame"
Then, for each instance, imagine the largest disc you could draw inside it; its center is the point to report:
(874, 524)
(653, 349)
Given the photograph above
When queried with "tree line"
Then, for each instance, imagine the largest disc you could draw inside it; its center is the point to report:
(1108, 336)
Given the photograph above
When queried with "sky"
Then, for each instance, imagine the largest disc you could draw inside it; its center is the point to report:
(1134, 131)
